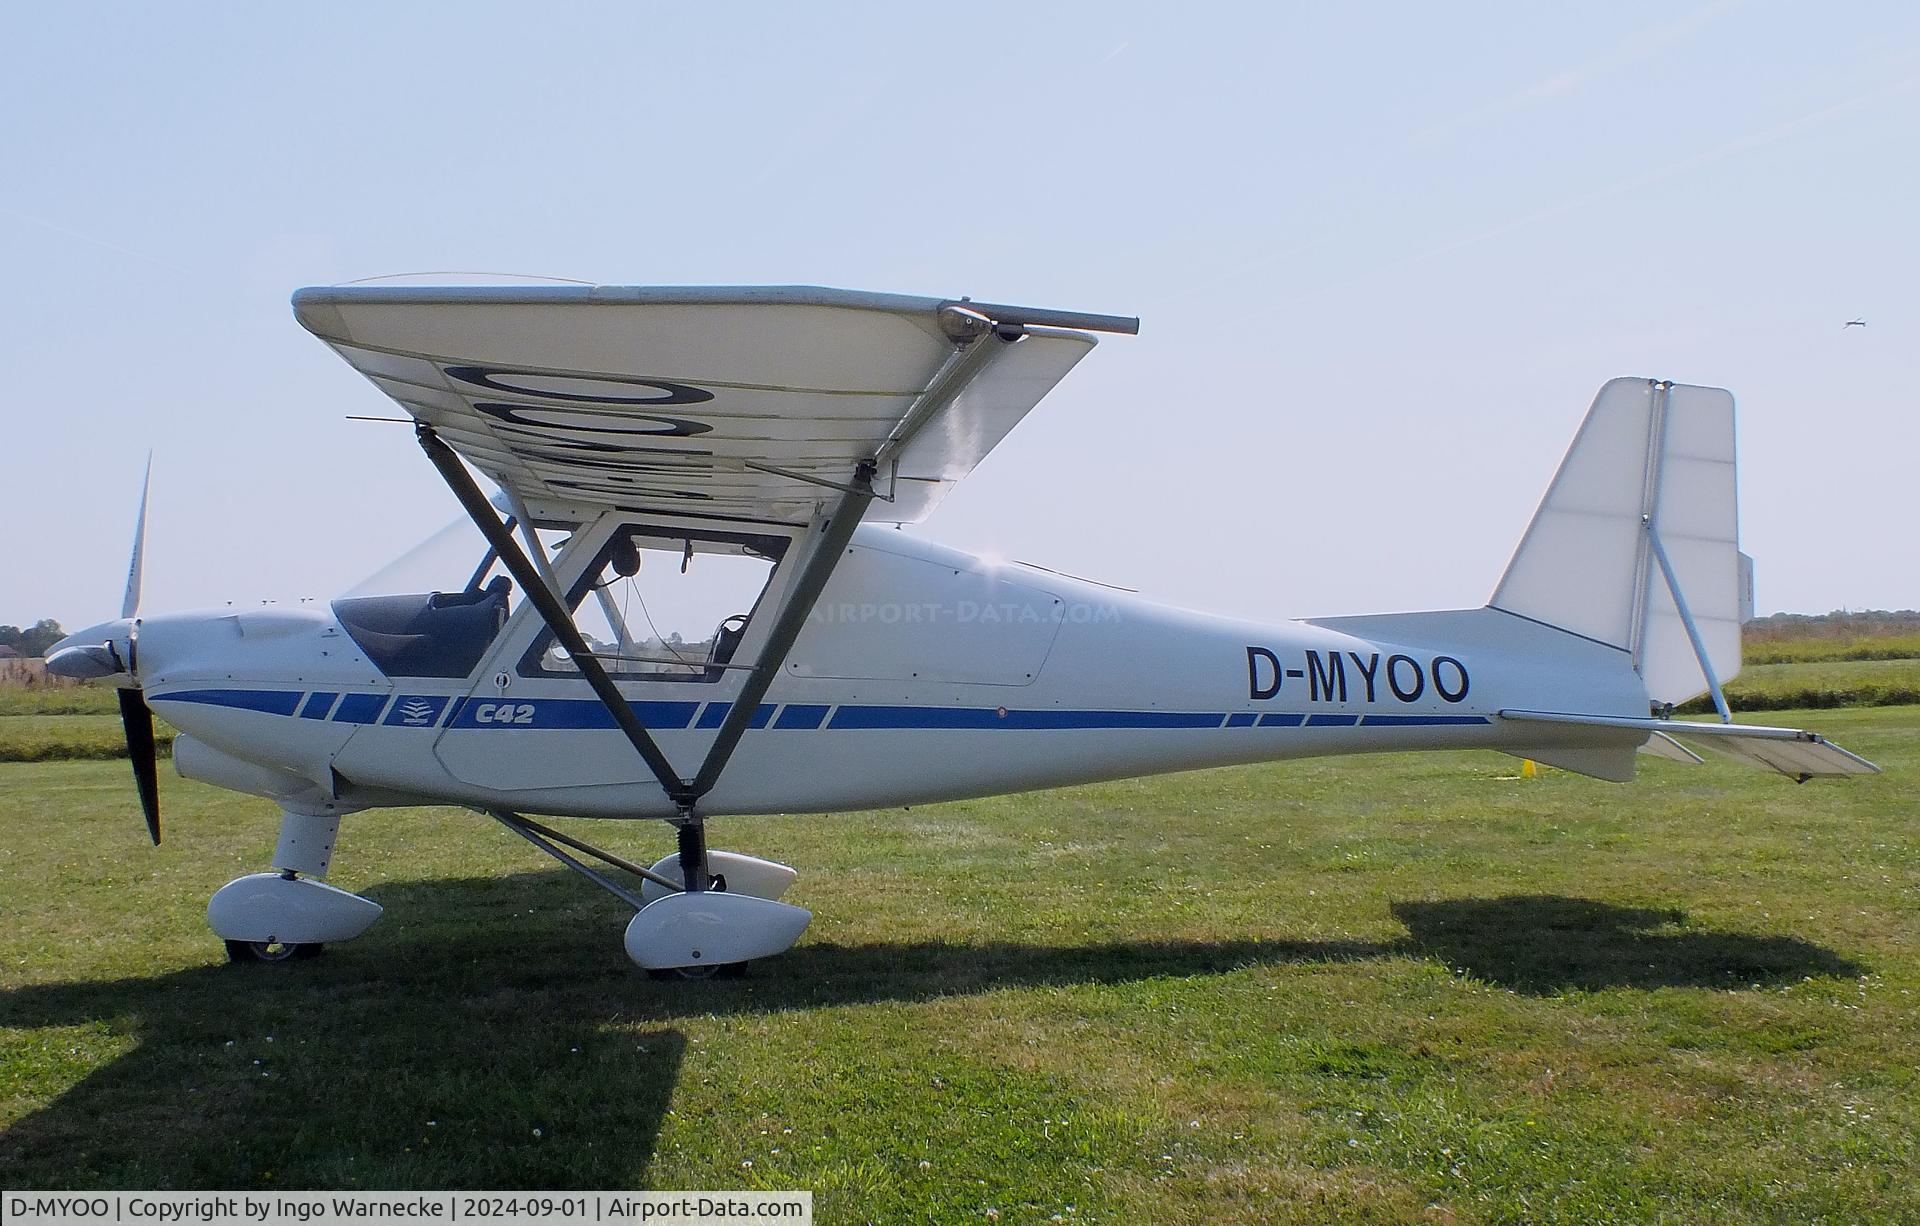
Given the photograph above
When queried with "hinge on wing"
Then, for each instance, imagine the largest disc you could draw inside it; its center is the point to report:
(824, 482)
(963, 325)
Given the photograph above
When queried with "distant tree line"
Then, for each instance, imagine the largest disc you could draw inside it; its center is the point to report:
(35, 639)
(1841, 623)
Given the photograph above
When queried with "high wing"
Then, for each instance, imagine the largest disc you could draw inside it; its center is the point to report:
(745, 403)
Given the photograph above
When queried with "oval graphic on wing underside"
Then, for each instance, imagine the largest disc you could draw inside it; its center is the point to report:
(550, 458)
(617, 487)
(553, 417)
(548, 439)
(579, 389)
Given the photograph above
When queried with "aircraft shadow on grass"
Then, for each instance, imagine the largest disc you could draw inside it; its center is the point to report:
(1541, 944)
(483, 1025)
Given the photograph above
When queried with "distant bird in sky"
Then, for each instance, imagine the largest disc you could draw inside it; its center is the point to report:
(1854, 323)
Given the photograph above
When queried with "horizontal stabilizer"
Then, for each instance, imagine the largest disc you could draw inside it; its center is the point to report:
(1800, 759)
(1793, 752)
(1660, 745)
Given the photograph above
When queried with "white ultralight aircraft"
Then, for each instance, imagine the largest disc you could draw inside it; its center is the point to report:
(765, 438)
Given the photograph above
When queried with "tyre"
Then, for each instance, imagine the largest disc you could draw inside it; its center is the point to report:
(271, 951)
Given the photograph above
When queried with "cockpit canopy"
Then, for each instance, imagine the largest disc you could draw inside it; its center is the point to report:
(655, 602)
(426, 634)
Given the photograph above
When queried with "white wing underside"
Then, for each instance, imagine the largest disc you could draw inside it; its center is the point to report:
(683, 401)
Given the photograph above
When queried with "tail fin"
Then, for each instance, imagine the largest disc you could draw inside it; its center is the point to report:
(1637, 544)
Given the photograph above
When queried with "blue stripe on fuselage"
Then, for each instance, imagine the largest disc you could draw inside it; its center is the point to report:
(716, 714)
(267, 702)
(318, 704)
(1004, 718)
(359, 708)
(805, 716)
(565, 713)
(585, 713)
(1421, 721)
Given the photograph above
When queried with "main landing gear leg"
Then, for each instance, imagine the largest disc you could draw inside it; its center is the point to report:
(291, 913)
(691, 860)
(693, 854)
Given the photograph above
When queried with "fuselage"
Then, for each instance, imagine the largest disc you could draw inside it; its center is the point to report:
(923, 674)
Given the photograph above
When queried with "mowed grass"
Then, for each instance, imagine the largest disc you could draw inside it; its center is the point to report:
(1820, 684)
(46, 723)
(1787, 647)
(1810, 666)
(49, 699)
(1408, 988)
(53, 738)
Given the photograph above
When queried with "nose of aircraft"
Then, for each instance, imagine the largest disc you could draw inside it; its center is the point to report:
(96, 653)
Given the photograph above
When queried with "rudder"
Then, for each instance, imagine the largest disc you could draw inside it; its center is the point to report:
(1640, 522)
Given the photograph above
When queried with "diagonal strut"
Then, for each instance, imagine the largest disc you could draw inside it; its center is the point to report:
(551, 611)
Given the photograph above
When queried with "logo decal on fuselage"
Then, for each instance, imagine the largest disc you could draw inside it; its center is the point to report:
(503, 713)
(416, 711)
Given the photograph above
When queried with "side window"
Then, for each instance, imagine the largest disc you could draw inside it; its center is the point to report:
(665, 606)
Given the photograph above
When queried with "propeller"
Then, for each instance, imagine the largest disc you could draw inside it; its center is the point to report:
(130, 603)
(110, 649)
(137, 718)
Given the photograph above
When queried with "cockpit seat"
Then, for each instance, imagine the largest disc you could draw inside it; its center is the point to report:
(426, 634)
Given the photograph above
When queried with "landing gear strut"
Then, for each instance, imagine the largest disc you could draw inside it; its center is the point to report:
(693, 855)
(692, 859)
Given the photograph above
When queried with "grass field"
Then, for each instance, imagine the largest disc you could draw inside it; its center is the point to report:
(1392, 989)
(1787, 650)
(53, 723)
(1803, 684)
(56, 700)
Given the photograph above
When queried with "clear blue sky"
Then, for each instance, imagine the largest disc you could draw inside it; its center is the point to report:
(1384, 256)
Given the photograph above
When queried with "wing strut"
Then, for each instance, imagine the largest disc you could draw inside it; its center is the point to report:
(977, 340)
(828, 549)
(551, 611)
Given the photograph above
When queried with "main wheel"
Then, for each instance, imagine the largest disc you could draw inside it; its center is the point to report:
(719, 970)
(271, 951)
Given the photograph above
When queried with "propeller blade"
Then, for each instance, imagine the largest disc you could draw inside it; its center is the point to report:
(137, 718)
(130, 603)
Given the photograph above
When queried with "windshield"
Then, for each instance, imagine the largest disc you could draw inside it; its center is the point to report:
(447, 561)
